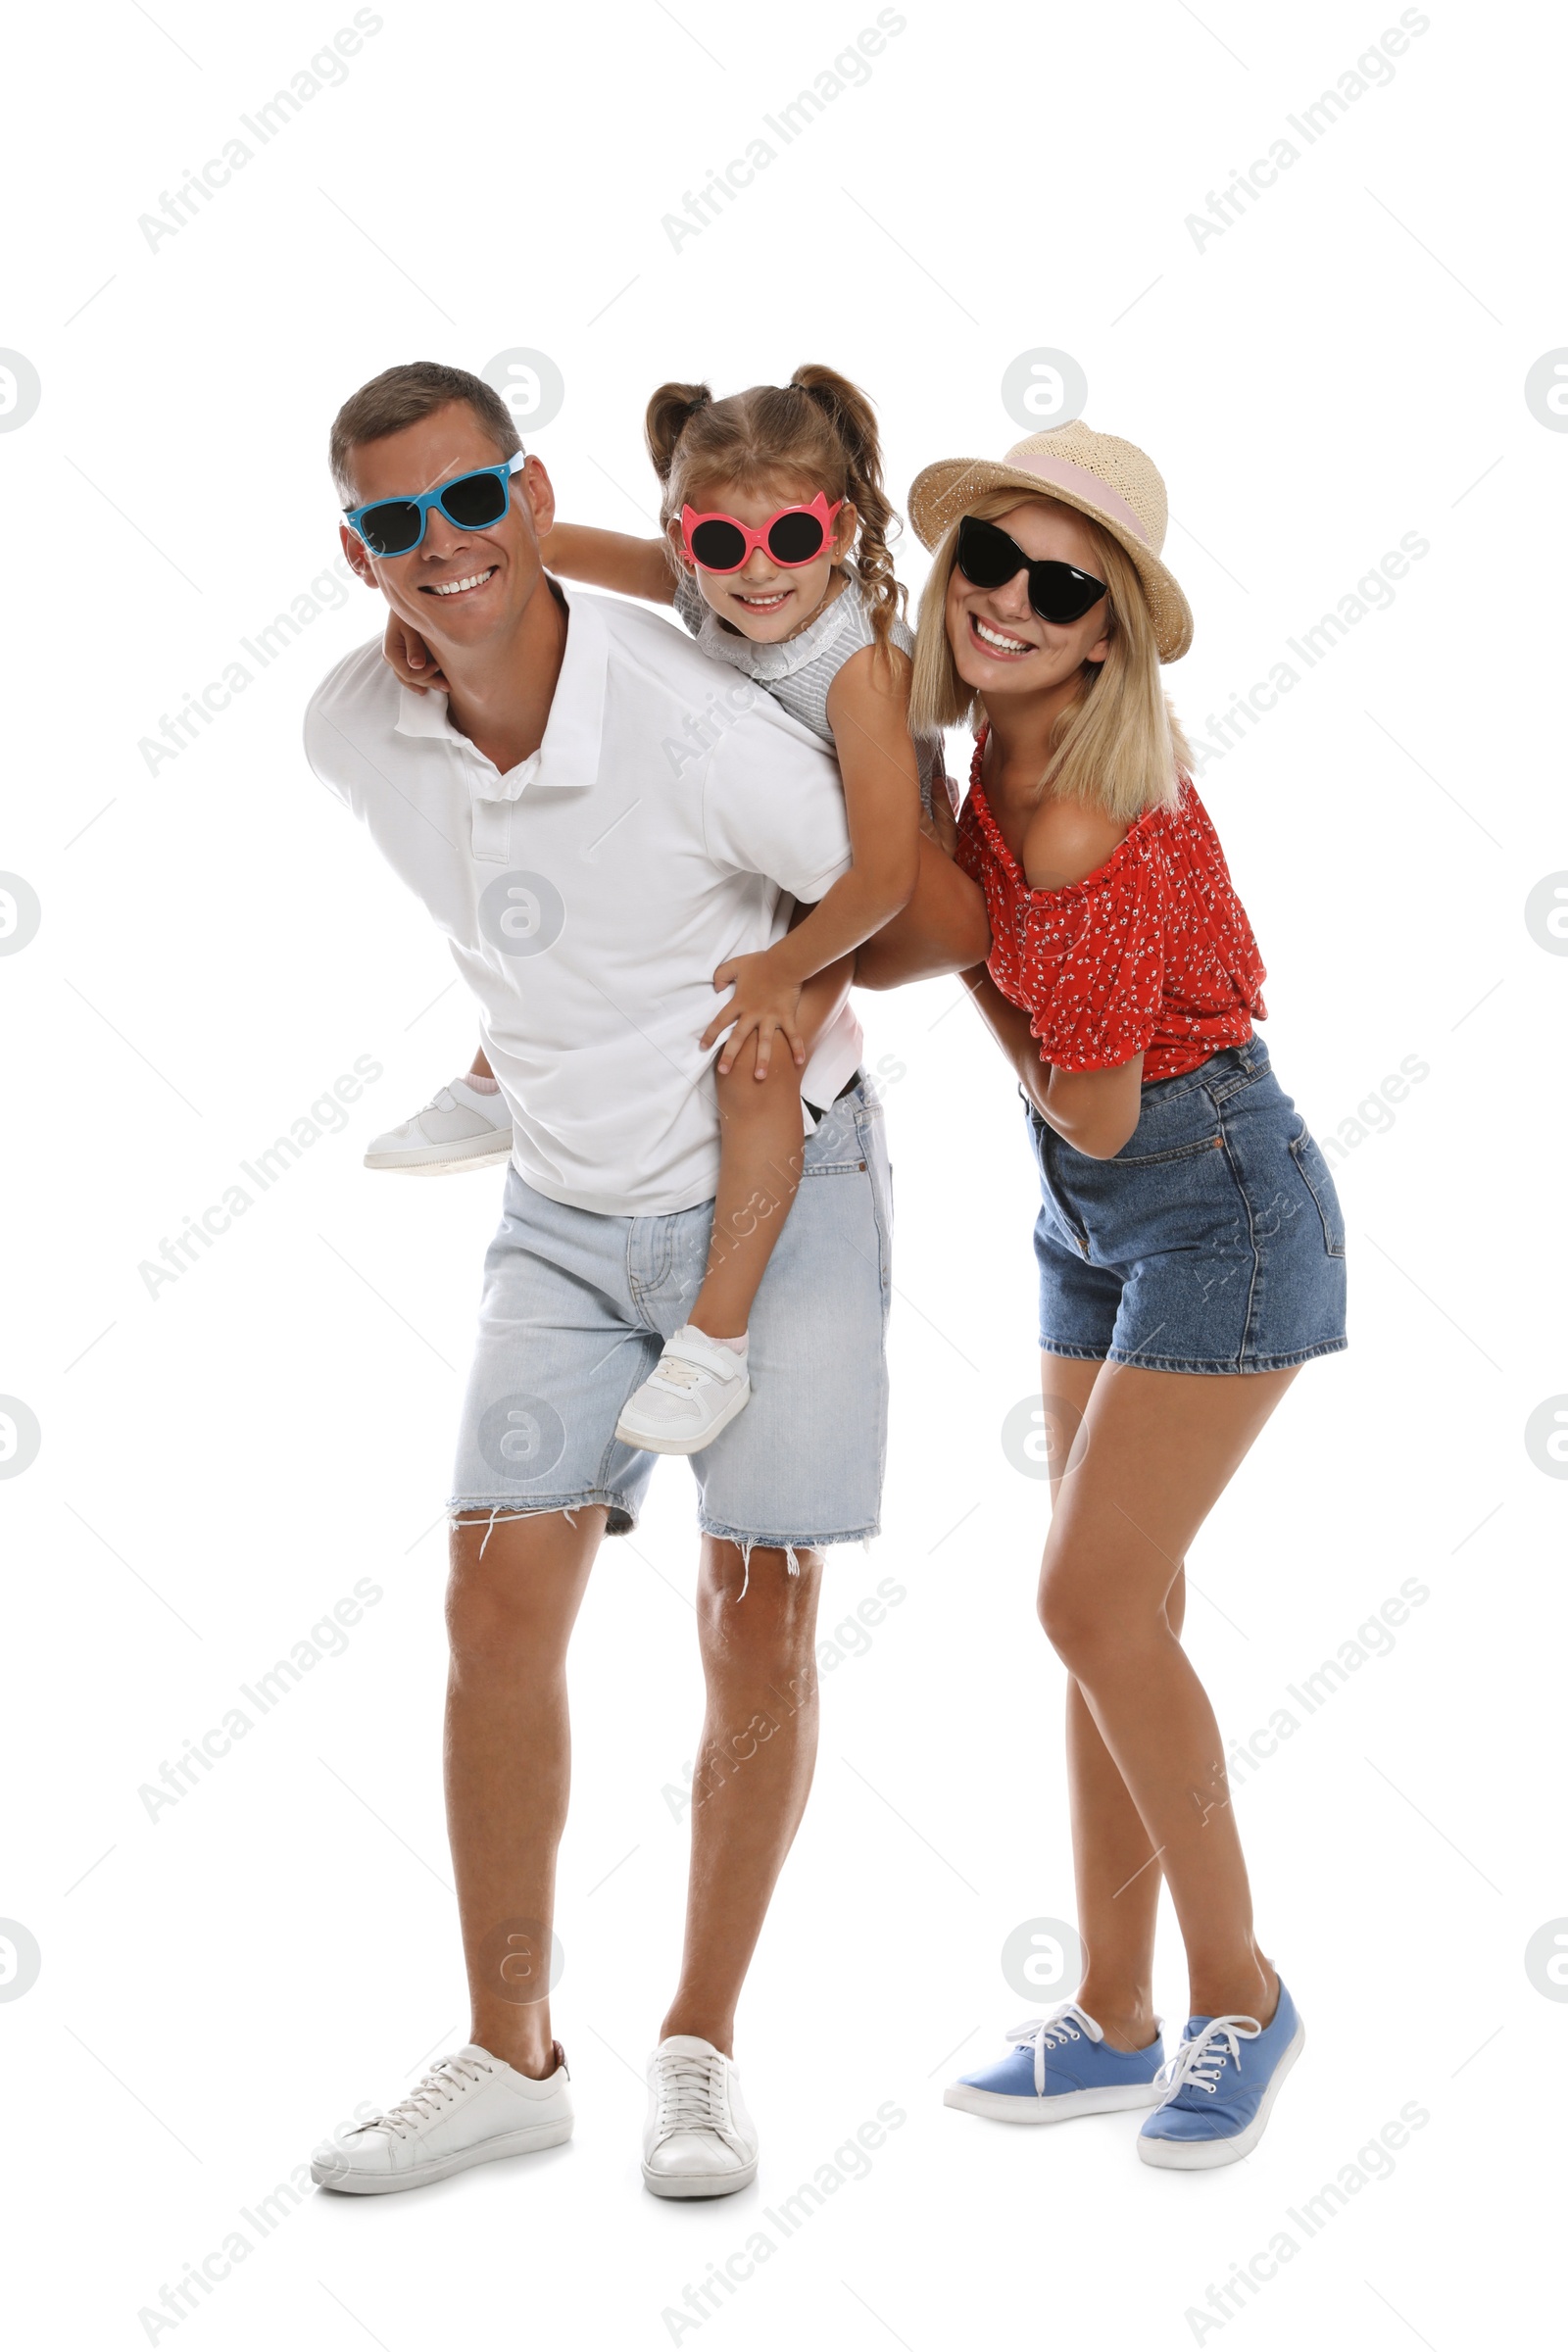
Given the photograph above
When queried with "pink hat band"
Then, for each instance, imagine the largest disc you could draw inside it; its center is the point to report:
(1087, 485)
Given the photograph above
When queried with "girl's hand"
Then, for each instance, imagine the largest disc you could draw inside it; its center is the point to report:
(411, 659)
(763, 1002)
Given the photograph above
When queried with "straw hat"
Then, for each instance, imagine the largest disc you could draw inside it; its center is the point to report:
(1106, 480)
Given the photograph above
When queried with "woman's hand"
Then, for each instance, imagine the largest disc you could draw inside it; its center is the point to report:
(410, 659)
(766, 1001)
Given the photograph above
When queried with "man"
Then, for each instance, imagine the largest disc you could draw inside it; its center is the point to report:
(597, 815)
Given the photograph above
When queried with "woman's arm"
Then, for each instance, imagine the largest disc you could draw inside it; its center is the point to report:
(1093, 1110)
(942, 929)
(610, 559)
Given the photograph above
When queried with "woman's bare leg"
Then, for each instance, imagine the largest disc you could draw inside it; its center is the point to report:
(1155, 1452)
(1118, 1879)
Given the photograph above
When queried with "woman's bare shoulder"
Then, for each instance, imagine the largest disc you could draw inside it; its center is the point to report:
(1066, 842)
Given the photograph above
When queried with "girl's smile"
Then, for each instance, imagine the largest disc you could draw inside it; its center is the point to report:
(767, 602)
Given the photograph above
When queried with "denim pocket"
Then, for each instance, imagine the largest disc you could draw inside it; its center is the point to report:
(1048, 1146)
(1155, 1159)
(838, 1147)
(872, 1134)
(1313, 1170)
(1173, 1126)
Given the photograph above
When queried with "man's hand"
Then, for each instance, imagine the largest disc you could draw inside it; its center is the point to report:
(410, 659)
(766, 1004)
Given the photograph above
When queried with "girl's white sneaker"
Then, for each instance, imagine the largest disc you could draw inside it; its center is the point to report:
(457, 1128)
(695, 1390)
(470, 2108)
(699, 2141)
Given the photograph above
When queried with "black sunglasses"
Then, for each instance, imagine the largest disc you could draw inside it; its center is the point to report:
(990, 559)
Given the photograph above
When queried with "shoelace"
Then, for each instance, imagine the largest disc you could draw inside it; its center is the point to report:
(690, 2093)
(1201, 2061)
(680, 1372)
(446, 2082)
(1067, 2023)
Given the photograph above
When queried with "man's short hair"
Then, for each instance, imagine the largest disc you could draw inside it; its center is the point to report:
(400, 397)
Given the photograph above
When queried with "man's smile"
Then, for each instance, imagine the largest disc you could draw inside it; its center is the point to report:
(462, 587)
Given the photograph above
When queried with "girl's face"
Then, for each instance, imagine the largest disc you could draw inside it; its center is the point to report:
(766, 601)
(1000, 643)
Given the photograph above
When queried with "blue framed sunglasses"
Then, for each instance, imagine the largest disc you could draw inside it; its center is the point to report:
(473, 501)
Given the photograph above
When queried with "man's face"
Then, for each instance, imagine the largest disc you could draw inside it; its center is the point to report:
(458, 588)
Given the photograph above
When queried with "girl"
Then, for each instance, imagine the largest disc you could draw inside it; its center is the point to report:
(1189, 1245)
(775, 553)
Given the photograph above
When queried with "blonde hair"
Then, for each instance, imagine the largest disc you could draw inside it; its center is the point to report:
(818, 425)
(1118, 746)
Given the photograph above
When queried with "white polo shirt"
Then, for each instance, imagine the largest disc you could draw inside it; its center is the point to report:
(668, 819)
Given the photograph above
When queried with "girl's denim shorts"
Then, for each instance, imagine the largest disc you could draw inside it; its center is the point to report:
(1213, 1242)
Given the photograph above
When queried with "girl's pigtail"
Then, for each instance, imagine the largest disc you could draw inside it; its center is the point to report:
(853, 422)
(669, 412)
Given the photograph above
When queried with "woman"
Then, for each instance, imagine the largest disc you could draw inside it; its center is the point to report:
(1189, 1244)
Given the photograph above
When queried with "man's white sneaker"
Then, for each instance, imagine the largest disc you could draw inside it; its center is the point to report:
(470, 2108)
(457, 1128)
(695, 1390)
(700, 2141)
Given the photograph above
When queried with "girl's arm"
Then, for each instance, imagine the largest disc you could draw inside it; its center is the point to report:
(610, 559)
(604, 559)
(868, 709)
(1093, 1110)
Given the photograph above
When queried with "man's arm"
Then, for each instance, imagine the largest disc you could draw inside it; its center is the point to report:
(943, 928)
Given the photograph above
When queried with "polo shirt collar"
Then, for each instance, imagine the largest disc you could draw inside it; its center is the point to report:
(573, 732)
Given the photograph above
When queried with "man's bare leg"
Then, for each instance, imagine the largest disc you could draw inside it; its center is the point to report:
(514, 1591)
(754, 1773)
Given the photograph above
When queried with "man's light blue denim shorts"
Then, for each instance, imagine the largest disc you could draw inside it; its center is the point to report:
(577, 1309)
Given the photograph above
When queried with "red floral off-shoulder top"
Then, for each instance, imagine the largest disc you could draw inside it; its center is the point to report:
(1152, 952)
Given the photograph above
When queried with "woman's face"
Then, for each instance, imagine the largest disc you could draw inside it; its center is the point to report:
(1000, 643)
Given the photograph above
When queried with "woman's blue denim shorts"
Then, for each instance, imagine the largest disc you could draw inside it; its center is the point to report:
(1212, 1241)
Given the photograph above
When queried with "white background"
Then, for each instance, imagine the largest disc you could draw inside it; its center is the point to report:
(220, 1463)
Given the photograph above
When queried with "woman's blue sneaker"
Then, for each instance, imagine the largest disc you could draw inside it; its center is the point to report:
(1220, 2086)
(1060, 2066)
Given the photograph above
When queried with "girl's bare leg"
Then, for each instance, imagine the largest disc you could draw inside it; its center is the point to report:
(479, 1067)
(760, 1155)
(1155, 1452)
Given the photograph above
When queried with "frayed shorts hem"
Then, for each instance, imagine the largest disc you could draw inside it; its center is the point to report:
(789, 1546)
(746, 1542)
(1180, 1363)
(623, 1515)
